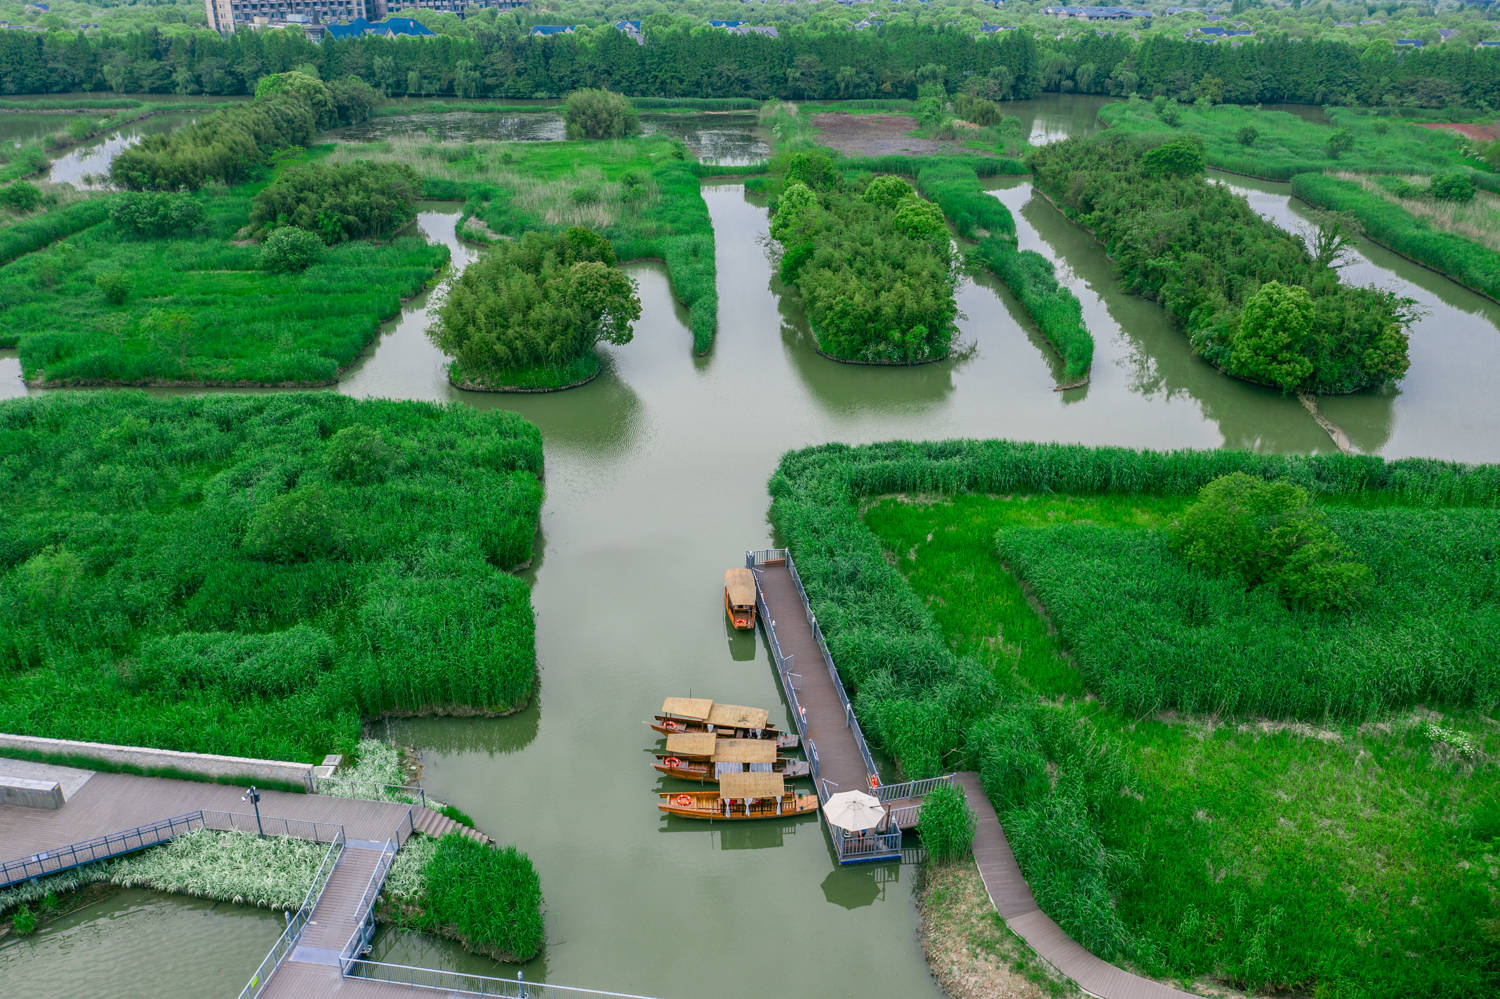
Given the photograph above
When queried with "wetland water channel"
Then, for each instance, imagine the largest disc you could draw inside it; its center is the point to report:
(656, 482)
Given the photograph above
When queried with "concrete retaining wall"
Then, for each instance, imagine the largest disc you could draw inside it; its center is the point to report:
(28, 793)
(198, 764)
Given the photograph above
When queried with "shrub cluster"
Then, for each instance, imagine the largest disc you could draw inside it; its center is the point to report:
(541, 302)
(229, 145)
(599, 114)
(252, 575)
(1465, 261)
(946, 824)
(288, 249)
(156, 215)
(1201, 251)
(488, 898)
(876, 275)
(341, 201)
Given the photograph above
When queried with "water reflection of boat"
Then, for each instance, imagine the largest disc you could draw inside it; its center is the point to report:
(699, 714)
(706, 757)
(739, 598)
(740, 797)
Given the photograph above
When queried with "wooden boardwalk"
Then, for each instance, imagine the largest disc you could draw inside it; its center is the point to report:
(1012, 898)
(840, 762)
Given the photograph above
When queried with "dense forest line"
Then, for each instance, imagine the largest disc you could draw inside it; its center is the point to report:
(680, 58)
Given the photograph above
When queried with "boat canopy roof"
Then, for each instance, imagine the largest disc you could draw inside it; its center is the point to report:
(744, 751)
(736, 716)
(694, 743)
(740, 585)
(751, 785)
(691, 708)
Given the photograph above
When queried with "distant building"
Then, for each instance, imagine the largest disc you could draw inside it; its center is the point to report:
(1488, 45)
(1097, 13)
(396, 26)
(225, 15)
(754, 29)
(1223, 32)
(545, 30)
(1410, 43)
(631, 29)
(712, 23)
(38, 8)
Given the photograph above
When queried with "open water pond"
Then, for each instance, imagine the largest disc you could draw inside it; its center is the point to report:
(714, 138)
(87, 166)
(137, 944)
(1054, 117)
(17, 127)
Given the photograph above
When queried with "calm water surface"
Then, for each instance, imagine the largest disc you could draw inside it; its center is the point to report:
(656, 482)
(140, 945)
(17, 127)
(87, 166)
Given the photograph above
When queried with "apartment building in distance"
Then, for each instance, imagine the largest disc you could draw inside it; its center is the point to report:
(226, 16)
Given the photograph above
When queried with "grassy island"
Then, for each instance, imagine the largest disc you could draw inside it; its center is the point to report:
(254, 576)
(1009, 608)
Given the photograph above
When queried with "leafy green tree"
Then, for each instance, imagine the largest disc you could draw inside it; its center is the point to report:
(359, 454)
(794, 209)
(288, 249)
(886, 191)
(1247, 135)
(815, 168)
(542, 301)
(340, 202)
(599, 114)
(1178, 158)
(21, 196)
(296, 526)
(308, 88)
(1269, 534)
(114, 285)
(1273, 330)
(1340, 142)
(923, 220)
(1457, 187)
(155, 215)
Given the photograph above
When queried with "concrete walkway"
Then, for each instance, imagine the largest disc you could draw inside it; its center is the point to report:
(1012, 898)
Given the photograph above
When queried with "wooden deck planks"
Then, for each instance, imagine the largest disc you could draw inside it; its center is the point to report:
(839, 758)
(1016, 904)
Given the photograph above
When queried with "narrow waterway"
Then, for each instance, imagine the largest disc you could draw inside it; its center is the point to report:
(137, 944)
(87, 166)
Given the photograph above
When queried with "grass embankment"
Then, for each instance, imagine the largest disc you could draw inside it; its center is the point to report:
(641, 193)
(1426, 238)
(200, 309)
(488, 898)
(254, 575)
(30, 233)
(270, 873)
(1256, 852)
(1286, 144)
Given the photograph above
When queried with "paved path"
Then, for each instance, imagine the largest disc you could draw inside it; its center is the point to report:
(1012, 898)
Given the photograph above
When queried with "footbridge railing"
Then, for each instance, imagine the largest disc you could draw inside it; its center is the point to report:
(464, 984)
(364, 930)
(287, 942)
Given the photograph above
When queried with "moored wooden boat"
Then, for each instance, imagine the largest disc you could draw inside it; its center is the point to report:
(740, 797)
(705, 757)
(739, 598)
(699, 714)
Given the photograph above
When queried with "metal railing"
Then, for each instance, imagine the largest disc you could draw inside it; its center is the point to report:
(364, 930)
(915, 788)
(287, 942)
(854, 847)
(904, 817)
(88, 851)
(403, 794)
(271, 825)
(765, 556)
(462, 983)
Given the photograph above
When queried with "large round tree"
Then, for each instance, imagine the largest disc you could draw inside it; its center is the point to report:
(530, 313)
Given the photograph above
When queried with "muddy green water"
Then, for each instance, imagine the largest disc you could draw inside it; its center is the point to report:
(87, 166)
(139, 944)
(17, 127)
(656, 482)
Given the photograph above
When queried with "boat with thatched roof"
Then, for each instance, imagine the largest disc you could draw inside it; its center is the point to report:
(699, 714)
(739, 598)
(705, 757)
(740, 797)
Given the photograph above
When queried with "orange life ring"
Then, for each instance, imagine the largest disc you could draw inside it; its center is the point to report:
(669, 723)
(672, 761)
(684, 800)
(874, 782)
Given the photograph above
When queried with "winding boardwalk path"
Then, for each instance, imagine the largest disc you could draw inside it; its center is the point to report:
(1012, 898)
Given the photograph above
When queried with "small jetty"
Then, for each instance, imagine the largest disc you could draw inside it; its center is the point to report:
(836, 750)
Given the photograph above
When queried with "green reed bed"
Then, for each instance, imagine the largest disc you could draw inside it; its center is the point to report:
(1387, 222)
(488, 898)
(197, 306)
(1285, 144)
(1059, 779)
(1332, 856)
(254, 575)
(33, 232)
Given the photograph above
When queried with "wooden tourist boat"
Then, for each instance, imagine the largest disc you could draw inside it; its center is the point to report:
(705, 757)
(699, 714)
(740, 797)
(739, 598)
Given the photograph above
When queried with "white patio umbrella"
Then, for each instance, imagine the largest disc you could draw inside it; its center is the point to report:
(854, 811)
